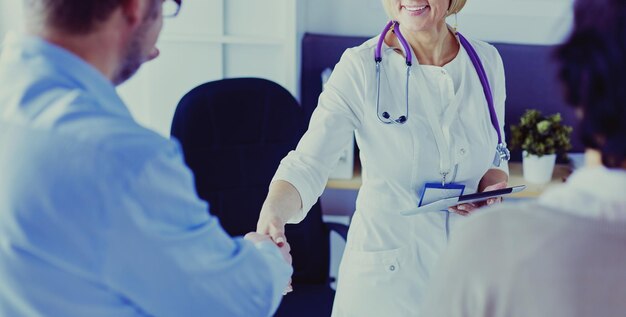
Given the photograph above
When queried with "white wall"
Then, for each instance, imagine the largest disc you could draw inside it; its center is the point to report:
(518, 21)
(513, 21)
(10, 16)
(4, 18)
(211, 40)
(345, 17)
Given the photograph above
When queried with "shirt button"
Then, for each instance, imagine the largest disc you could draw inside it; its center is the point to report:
(443, 72)
(392, 268)
(462, 151)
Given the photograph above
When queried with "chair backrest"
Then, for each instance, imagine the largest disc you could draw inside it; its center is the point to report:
(233, 133)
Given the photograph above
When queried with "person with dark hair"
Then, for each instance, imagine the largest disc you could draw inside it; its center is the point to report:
(99, 216)
(563, 254)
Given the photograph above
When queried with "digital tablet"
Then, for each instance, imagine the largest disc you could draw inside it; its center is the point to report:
(446, 203)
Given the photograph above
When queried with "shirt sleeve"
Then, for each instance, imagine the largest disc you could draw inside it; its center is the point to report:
(168, 256)
(498, 82)
(331, 129)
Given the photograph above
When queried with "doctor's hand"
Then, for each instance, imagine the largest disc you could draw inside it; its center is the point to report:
(272, 226)
(494, 200)
(466, 209)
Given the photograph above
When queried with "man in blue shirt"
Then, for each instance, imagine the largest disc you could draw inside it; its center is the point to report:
(99, 216)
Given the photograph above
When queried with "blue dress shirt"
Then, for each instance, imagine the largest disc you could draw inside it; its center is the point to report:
(99, 216)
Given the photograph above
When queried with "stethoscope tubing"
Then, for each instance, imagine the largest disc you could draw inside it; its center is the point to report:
(502, 153)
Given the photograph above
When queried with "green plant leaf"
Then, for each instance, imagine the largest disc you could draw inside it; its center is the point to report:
(543, 126)
(540, 135)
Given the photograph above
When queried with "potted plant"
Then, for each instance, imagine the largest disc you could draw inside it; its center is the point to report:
(541, 138)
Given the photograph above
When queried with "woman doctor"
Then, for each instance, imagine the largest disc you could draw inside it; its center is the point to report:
(419, 110)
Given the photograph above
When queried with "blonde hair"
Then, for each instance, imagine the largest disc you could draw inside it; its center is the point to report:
(455, 7)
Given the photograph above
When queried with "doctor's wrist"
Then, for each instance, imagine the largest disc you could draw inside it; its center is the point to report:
(492, 177)
(273, 215)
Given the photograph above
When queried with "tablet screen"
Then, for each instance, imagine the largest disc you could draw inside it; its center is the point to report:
(489, 194)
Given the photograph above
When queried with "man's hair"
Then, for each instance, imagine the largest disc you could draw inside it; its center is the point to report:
(75, 16)
(592, 69)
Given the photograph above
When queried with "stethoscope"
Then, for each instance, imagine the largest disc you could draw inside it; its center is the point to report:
(502, 153)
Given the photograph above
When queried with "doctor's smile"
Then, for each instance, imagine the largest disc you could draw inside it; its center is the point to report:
(415, 10)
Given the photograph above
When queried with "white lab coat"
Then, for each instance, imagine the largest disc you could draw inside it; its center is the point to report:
(388, 257)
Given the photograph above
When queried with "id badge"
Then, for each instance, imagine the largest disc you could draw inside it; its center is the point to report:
(435, 191)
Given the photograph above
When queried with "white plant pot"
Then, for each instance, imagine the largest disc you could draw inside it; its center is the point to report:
(538, 170)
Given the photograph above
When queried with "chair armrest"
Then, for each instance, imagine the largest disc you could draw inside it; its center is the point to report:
(339, 228)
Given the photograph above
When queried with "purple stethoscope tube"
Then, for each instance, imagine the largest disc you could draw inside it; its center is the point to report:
(502, 153)
(384, 117)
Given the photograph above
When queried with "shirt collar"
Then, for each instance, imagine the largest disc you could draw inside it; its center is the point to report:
(69, 66)
(591, 191)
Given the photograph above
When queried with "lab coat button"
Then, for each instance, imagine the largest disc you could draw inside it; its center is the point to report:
(392, 268)
(462, 151)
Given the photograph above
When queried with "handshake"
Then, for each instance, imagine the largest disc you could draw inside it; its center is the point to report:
(281, 243)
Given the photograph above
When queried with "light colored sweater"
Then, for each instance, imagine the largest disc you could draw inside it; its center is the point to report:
(562, 255)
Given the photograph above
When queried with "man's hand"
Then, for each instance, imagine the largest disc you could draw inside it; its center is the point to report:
(285, 250)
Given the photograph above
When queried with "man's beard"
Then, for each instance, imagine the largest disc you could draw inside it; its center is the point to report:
(134, 56)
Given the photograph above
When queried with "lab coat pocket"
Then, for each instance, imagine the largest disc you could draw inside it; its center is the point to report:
(384, 262)
(371, 283)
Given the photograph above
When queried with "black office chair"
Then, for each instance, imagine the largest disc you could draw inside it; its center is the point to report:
(233, 133)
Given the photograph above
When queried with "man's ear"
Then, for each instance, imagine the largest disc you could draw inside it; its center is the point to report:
(133, 10)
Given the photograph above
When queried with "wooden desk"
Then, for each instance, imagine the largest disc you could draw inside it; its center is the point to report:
(561, 172)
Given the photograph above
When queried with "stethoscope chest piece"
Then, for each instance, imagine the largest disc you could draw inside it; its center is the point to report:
(502, 154)
(384, 116)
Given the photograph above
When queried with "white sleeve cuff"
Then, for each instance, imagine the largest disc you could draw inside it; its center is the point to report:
(504, 166)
